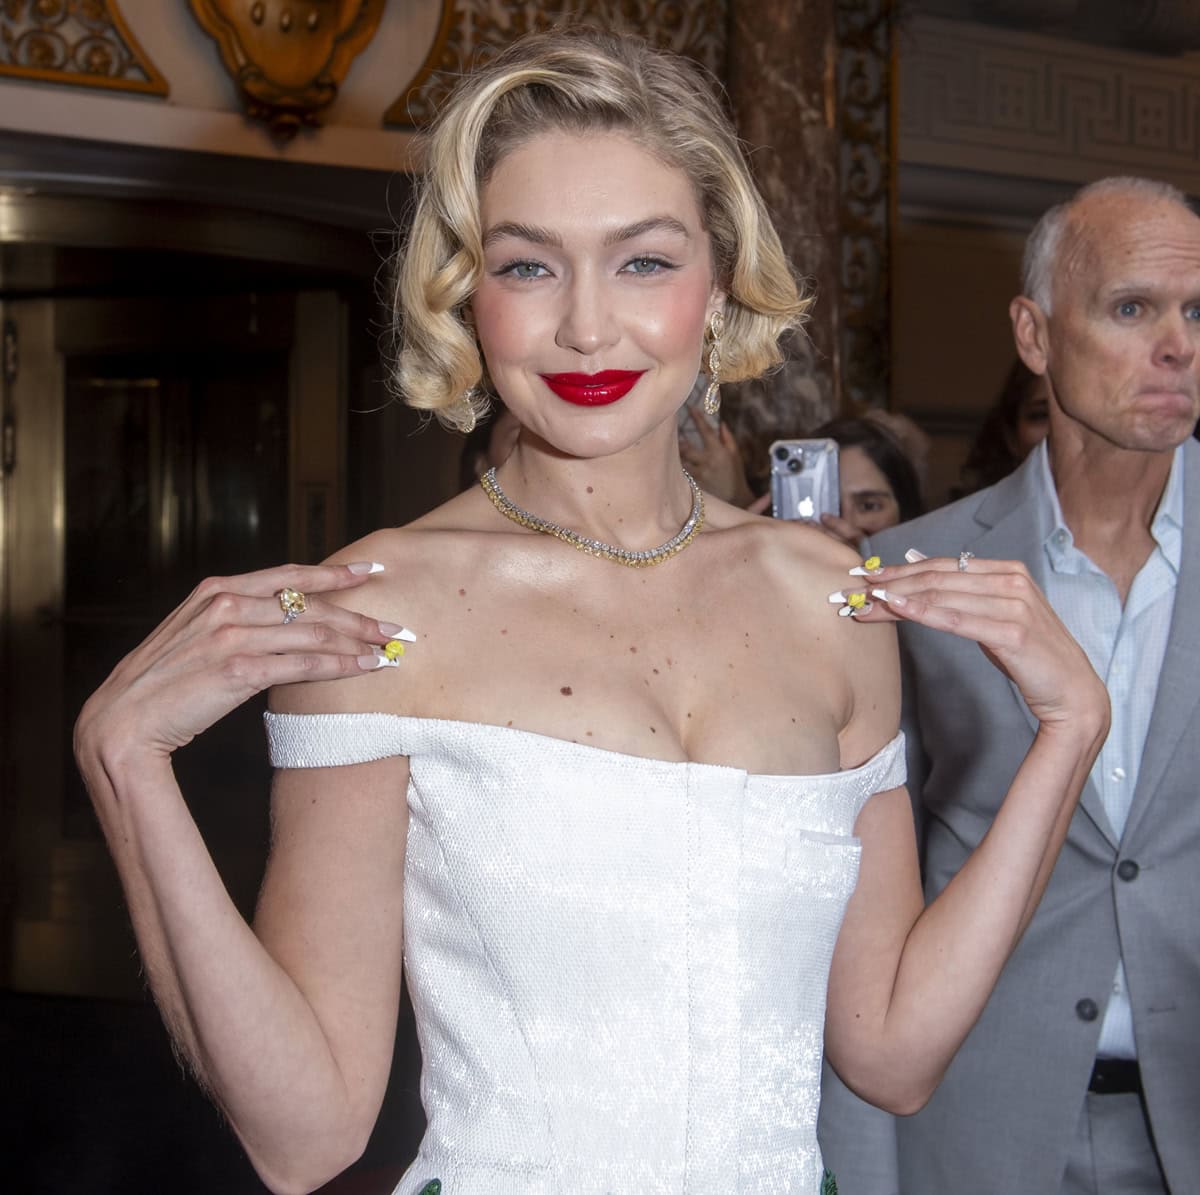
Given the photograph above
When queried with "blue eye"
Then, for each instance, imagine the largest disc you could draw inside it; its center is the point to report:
(1193, 313)
(647, 265)
(1129, 308)
(523, 269)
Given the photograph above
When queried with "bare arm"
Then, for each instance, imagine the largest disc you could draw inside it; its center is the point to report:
(908, 983)
(289, 1038)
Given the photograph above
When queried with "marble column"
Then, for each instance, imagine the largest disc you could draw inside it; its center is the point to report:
(782, 80)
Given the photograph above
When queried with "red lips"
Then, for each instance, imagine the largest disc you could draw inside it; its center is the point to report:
(593, 389)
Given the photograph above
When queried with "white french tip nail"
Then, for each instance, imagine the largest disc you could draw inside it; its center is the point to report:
(845, 611)
(863, 609)
(859, 571)
(835, 597)
(914, 557)
(394, 630)
(373, 661)
(365, 567)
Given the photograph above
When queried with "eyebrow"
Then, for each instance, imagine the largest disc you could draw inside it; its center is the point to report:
(544, 236)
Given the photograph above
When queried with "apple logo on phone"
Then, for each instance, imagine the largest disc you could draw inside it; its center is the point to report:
(804, 508)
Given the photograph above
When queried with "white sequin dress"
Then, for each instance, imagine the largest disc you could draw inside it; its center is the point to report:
(618, 965)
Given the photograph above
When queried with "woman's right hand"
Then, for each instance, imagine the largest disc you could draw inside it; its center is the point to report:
(225, 643)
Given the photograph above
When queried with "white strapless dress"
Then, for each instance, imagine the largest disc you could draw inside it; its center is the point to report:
(618, 965)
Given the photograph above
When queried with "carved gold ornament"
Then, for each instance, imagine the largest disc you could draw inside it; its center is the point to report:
(472, 31)
(81, 42)
(288, 57)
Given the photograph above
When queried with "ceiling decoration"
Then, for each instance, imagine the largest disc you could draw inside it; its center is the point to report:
(472, 31)
(82, 42)
(288, 57)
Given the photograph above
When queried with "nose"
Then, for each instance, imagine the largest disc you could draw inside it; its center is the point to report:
(1177, 344)
(588, 320)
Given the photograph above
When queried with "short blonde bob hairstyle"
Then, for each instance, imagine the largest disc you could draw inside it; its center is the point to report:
(578, 80)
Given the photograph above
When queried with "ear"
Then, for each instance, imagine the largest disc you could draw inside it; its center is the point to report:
(716, 299)
(1030, 333)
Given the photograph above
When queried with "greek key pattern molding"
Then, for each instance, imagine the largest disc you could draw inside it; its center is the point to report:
(471, 31)
(988, 100)
(85, 43)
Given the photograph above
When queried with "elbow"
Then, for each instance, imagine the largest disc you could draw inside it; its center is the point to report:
(901, 1095)
(301, 1172)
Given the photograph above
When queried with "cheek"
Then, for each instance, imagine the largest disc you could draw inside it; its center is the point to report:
(503, 330)
(673, 321)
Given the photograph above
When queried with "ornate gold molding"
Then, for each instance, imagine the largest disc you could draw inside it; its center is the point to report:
(864, 30)
(288, 57)
(471, 31)
(82, 42)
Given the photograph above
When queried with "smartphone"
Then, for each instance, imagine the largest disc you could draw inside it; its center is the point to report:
(689, 433)
(804, 479)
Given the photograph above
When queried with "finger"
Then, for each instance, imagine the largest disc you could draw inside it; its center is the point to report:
(307, 578)
(706, 429)
(230, 609)
(760, 504)
(728, 442)
(968, 566)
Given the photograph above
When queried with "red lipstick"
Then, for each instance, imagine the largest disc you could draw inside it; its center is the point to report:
(593, 389)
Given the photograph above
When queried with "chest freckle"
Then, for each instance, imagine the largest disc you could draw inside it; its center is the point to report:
(565, 690)
(655, 671)
(462, 593)
(590, 490)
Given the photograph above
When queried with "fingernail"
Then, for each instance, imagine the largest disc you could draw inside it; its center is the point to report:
(393, 649)
(856, 603)
(869, 568)
(914, 557)
(394, 631)
(361, 567)
(865, 608)
(835, 597)
(893, 599)
(376, 660)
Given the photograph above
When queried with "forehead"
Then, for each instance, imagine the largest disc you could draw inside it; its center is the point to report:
(1120, 241)
(556, 178)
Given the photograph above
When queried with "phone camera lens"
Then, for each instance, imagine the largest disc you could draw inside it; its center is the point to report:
(795, 465)
(781, 453)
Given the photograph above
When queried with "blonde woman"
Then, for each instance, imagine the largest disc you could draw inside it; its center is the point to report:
(633, 778)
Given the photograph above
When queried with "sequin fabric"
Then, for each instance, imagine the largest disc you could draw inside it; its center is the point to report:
(618, 965)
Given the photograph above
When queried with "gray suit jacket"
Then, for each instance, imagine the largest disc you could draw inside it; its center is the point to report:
(1005, 1113)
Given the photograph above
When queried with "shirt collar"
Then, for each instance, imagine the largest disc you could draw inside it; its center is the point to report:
(1166, 527)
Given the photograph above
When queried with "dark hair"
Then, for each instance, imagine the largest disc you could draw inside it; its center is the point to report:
(886, 454)
(993, 453)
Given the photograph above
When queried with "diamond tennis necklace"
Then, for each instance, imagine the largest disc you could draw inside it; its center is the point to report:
(596, 547)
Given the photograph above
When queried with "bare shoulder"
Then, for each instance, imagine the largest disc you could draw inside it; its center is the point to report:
(425, 564)
(798, 567)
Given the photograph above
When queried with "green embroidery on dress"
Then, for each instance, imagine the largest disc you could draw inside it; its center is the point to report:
(434, 1187)
(828, 1184)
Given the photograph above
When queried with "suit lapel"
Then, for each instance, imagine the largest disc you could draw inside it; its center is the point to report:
(1013, 524)
(1178, 691)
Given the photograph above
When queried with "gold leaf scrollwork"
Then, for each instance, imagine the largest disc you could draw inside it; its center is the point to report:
(288, 57)
(472, 31)
(85, 43)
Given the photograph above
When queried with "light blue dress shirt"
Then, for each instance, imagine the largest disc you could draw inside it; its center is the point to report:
(1126, 647)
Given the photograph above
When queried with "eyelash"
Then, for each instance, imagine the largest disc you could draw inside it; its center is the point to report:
(660, 263)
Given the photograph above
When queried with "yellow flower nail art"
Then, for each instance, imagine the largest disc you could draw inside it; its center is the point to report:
(393, 649)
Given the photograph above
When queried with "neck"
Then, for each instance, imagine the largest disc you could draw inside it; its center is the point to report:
(1105, 490)
(635, 499)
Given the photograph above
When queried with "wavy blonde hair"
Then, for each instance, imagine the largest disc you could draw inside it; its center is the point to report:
(578, 80)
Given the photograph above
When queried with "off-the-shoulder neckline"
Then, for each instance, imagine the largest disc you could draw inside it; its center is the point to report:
(842, 774)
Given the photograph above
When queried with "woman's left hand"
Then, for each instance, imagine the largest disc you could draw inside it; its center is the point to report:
(997, 604)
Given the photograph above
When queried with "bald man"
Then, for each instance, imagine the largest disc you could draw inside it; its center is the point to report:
(1082, 1075)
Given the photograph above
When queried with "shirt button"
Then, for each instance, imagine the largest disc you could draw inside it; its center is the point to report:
(1127, 869)
(1118, 773)
(1060, 537)
(1087, 1009)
